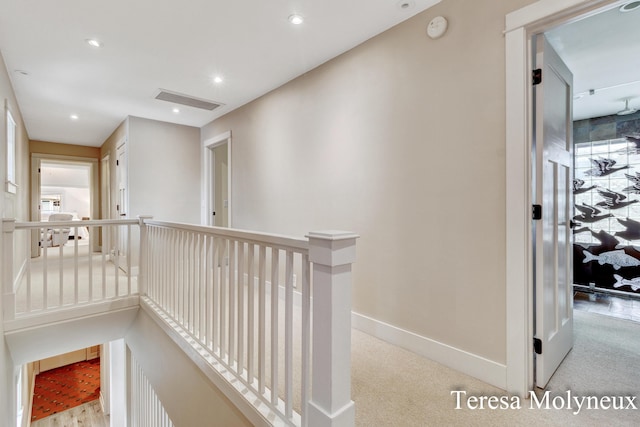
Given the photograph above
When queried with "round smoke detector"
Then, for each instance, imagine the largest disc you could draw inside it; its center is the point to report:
(405, 4)
(628, 7)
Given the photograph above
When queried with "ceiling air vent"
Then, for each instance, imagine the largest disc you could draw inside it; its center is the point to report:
(179, 98)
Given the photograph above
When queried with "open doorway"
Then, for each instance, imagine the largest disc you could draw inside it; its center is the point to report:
(64, 187)
(217, 181)
(599, 49)
(606, 160)
(522, 26)
(602, 50)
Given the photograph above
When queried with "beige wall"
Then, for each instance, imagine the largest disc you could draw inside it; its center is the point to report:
(164, 170)
(402, 141)
(11, 206)
(58, 149)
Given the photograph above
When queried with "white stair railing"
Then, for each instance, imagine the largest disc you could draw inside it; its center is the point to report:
(145, 408)
(65, 273)
(246, 298)
(273, 311)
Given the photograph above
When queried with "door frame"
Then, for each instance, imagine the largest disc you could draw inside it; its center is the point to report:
(105, 199)
(121, 250)
(208, 169)
(521, 26)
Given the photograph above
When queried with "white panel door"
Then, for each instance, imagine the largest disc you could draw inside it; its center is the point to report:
(554, 175)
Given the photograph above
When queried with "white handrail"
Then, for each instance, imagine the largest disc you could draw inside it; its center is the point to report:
(277, 240)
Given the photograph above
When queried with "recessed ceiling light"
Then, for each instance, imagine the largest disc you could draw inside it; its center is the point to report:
(94, 42)
(176, 110)
(74, 117)
(296, 19)
(628, 7)
(405, 4)
(217, 79)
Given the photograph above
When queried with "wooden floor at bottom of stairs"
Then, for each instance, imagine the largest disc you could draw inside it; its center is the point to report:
(87, 415)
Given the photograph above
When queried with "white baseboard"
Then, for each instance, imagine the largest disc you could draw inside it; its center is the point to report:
(476, 366)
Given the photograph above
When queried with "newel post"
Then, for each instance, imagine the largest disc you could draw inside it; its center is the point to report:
(143, 272)
(332, 253)
(9, 298)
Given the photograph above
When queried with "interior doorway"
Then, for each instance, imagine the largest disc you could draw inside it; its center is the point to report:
(521, 27)
(600, 48)
(217, 181)
(65, 188)
(121, 236)
(606, 141)
(64, 185)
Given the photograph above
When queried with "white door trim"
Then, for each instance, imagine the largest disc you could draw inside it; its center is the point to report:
(521, 25)
(207, 166)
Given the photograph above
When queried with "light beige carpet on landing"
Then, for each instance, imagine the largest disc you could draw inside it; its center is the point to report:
(395, 387)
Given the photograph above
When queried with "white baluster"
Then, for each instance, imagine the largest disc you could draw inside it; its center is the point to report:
(262, 321)
(288, 336)
(145, 249)
(275, 266)
(250, 310)
(240, 285)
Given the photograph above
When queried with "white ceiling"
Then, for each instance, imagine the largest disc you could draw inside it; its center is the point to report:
(603, 52)
(172, 45)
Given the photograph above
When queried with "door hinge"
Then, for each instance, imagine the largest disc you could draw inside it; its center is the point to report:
(213, 213)
(537, 345)
(117, 162)
(117, 208)
(536, 211)
(537, 76)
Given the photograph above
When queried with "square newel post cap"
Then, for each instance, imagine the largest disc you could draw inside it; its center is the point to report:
(332, 247)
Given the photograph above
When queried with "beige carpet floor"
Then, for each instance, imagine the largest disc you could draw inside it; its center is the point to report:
(395, 387)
